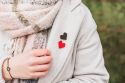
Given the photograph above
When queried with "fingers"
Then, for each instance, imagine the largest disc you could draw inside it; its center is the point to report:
(41, 60)
(40, 52)
(38, 74)
(40, 68)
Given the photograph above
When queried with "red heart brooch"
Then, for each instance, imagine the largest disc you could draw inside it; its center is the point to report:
(61, 43)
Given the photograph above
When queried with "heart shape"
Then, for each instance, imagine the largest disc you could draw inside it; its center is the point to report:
(64, 36)
(61, 44)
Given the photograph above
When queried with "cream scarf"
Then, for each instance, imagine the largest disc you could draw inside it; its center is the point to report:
(26, 22)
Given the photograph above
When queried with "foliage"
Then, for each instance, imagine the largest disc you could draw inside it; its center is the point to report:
(110, 18)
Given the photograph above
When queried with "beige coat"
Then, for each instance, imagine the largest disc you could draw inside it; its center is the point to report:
(81, 60)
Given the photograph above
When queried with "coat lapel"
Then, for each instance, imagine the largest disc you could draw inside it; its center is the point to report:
(69, 22)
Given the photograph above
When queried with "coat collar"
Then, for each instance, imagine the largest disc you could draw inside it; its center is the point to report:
(75, 3)
(72, 3)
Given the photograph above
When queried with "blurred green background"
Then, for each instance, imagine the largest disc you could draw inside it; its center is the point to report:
(110, 18)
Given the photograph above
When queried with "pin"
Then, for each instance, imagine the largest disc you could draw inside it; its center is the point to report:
(64, 36)
(61, 43)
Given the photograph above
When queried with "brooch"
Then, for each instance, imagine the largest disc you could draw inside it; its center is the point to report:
(61, 43)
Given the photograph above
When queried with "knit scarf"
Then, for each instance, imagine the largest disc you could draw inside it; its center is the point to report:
(26, 22)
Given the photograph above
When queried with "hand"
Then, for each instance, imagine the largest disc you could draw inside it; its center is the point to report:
(31, 65)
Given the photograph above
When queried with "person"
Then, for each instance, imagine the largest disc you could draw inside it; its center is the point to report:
(49, 41)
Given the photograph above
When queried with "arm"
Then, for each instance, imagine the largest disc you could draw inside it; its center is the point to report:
(2, 58)
(89, 65)
(5, 74)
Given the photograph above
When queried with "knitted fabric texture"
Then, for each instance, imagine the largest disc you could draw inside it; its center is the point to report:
(26, 22)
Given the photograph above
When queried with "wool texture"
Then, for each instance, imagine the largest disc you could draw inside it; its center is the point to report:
(27, 22)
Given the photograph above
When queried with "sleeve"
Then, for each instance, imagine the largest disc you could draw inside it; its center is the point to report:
(1, 75)
(89, 65)
(2, 56)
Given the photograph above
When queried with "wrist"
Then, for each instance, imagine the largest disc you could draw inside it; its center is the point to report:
(6, 74)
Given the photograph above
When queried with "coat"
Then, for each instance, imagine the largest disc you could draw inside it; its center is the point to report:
(78, 58)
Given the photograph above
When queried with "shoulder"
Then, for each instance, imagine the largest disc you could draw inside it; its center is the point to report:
(88, 26)
(84, 12)
(88, 23)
